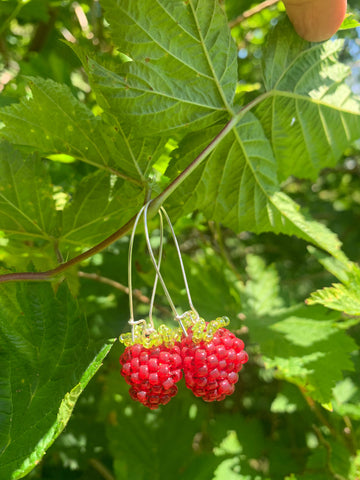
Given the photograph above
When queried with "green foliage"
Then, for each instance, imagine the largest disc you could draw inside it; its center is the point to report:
(24, 214)
(47, 361)
(247, 134)
(182, 71)
(297, 342)
(311, 115)
(343, 297)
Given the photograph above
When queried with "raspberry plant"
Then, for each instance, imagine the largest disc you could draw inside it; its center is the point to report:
(248, 135)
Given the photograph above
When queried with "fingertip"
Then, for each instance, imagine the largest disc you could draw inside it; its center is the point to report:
(316, 20)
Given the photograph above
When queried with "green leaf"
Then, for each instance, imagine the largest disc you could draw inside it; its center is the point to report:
(297, 342)
(310, 115)
(349, 22)
(238, 186)
(300, 343)
(27, 207)
(52, 121)
(46, 362)
(260, 293)
(347, 398)
(183, 68)
(337, 266)
(138, 438)
(101, 204)
(342, 297)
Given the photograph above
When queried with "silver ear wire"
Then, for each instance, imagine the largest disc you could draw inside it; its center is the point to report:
(162, 209)
(158, 276)
(158, 266)
(131, 245)
(151, 253)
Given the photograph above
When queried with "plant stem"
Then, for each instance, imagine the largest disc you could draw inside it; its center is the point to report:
(159, 200)
(119, 286)
(314, 408)
(154, 206)
(101, 469)
(215, 229)
(13, 15)
(251, 12)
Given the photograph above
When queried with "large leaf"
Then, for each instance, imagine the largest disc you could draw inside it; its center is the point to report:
(310, 115)
(27, 208)
(238, 186)
(46, 362)
(100, 205)
(138, 440)
(183, 68)
(52, 121)
(344, 297)
(298, 342)
(240, 183)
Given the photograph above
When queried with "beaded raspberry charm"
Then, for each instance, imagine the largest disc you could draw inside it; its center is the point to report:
(212, 357)
(153, 367)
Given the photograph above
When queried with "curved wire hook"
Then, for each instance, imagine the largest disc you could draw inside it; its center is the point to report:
(151, 253)
(162, 209)
(156, 264)
(131, 303)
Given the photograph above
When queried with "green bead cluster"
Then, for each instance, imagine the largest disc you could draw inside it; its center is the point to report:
(162, 336)
(202, 330)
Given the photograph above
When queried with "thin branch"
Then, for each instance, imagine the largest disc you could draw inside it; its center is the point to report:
(11, 17)
(154, 206)
(159, 200)
(49, 275)
(119, 286)
(42, 32)
(101, 469)
(251, 12)
(216, 232)
(318, 413)
(329, 451)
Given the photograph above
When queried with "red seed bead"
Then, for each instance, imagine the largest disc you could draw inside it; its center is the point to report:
(176, 361)
(168, 383)
(214, 374)
(153, 364)
(187, 362)
(200, 356)
(210, 348)
(201, 381)
(134, 378)
(136, 350)
(126, 369)
(238, 344)
(144, 357)
(221, 352)
(202, 371)
(143, 372)
(177, 375)
(141, 396)
(163, 372)
(224, 387)
(231, 356)
(153, 378)
(164, 357)
(135, 363)
(212, 361)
